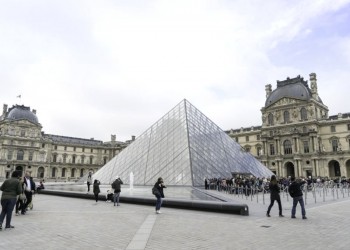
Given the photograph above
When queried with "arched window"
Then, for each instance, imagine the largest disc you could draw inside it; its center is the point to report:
(270, 119)
(303, 114)
(73, 172)
(20, 154)
(258, 151)
(41, 172)
(81, 172)
(286, 116)
(63, 172)
(287, 147)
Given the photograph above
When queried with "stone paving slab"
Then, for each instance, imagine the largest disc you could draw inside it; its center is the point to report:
(60, 222)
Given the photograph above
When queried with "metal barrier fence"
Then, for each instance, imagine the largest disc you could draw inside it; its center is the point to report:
(317, 192)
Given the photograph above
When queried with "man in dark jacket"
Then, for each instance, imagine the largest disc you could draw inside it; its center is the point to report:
(297, 194)
(116, 185)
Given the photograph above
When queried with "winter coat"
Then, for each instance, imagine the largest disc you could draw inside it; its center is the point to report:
(160, 186)
(10, 188)
(116, 185)
(274, 190)
(295, 189)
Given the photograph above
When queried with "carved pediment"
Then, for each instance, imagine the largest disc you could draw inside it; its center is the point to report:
(285, 101)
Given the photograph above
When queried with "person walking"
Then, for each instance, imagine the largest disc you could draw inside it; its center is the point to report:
(116, 185)
(89, 182)
(297, 194)
(10, 189)
(29, 189)
(274, 196)
(158, 192)
(96, 189)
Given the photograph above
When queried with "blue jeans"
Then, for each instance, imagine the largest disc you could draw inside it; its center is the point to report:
(7, 209)
(116, 198)
(295, 203)
(159, 202)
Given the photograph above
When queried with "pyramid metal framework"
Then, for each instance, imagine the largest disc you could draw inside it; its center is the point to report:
(184, 147)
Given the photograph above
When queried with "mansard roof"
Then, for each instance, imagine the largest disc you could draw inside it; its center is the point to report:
(296, 88)
(21, 112)
(72, 140)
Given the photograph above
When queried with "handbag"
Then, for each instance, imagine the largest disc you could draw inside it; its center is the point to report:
(22, 196)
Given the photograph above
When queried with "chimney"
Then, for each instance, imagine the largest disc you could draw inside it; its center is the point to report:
(313, 82)
(133, 138)
(268, 89)
(113, 137)
(34, 111)
(4, 111)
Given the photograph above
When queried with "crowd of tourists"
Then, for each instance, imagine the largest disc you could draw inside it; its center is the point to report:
(252, 184)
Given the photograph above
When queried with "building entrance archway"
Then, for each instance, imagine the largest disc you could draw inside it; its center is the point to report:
(334, 169)
(347, 164)
(19, 168)
(290, 170)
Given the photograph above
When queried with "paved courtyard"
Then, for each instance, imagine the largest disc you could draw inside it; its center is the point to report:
(60, 222)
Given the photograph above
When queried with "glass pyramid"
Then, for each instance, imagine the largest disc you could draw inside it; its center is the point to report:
(184, 147)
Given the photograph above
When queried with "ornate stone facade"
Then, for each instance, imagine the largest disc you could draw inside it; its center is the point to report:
(25, 147)
(297, 137)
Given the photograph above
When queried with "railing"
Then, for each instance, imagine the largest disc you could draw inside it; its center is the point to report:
(316, 192)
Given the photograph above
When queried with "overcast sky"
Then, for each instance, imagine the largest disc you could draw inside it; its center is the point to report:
(96, 68)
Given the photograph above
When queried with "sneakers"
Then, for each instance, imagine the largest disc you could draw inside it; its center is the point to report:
(158, 212)
(17, 214)
(9, 227)
(268, 215)
(304, 218)
(293, 217)
(281, 215)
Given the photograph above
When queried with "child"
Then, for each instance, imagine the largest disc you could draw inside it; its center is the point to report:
(109, 196)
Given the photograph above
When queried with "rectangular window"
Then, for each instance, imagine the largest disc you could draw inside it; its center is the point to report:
(348, 126)
(30, 158)
(258, 137)
(43, 145)
(272, 149)
(73, 159)
(271, 133)
(90, 160)
(332, 129)
(74, 148)
(247, 138)
(335, 145)
(9, 155)
(54, 158)
(306, 147)
(236, 139)
(65, 147)
(55, 147)
(91, 150)
(83, 149)
(23, 133)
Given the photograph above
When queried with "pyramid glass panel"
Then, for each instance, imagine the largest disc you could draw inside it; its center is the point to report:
(184, 147)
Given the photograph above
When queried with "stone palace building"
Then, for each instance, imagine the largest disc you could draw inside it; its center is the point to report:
(25, 147)
(297, 136)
